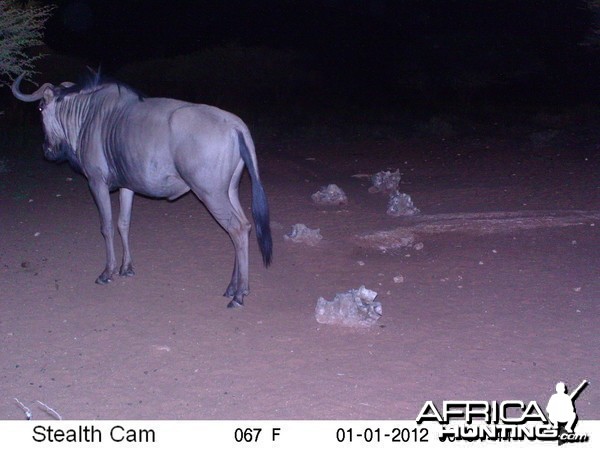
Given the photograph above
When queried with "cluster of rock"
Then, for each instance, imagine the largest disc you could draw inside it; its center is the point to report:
(356, 307)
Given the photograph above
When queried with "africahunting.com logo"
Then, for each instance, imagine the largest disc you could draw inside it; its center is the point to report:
(510, 420)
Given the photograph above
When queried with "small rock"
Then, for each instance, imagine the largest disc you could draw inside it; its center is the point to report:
(401, 204)
(330, 195)
(302, 234)
(355, 308)
(386, 182)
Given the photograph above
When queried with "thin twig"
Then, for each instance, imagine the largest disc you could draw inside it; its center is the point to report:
(50, 410)
(25, 409)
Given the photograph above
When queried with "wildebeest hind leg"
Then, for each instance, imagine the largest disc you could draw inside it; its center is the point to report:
(239, 284)
(238, 228)
(232, 287)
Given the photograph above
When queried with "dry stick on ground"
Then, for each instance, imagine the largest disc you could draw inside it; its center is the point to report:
(50, 411)
(25, 409)
(29, 414)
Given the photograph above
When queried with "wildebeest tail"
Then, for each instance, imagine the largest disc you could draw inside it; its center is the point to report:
(260, 206)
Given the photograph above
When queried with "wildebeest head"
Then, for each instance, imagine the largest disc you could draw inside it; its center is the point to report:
(56, 144)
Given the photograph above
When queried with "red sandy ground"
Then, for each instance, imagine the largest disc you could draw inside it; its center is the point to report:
(494, 317)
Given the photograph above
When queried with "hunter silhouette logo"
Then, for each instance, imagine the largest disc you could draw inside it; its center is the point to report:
(561, 410)
(508, 420)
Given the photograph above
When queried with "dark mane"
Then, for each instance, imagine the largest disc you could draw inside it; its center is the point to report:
(94, 80)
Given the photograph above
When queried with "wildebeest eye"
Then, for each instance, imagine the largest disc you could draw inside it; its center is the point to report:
(42, 105)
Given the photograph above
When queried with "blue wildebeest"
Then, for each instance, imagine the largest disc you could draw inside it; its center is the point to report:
(157, 147)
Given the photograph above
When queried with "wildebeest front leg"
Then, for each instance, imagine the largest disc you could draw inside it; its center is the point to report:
(102, 197)
(125, 201)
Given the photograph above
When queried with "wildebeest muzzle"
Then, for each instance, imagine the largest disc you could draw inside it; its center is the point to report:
(55, 152)
(49, 151)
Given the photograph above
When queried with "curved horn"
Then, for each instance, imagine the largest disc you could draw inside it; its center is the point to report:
(28, 97)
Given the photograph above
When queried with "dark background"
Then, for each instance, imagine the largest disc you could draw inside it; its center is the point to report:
(348, 59)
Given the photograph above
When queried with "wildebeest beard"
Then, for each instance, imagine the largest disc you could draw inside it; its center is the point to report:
(61, 152)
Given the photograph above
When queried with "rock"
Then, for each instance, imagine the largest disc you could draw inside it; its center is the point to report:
(302, 234)
(355, 308)
(386, 182)
(401, 204)
(330, 195)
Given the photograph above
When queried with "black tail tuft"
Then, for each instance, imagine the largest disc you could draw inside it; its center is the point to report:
(260, 206)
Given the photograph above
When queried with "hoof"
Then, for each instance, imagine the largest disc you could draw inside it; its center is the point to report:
(105, 277)
(235, 303)
(128, 272)
(103, 280)
(230, 291)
